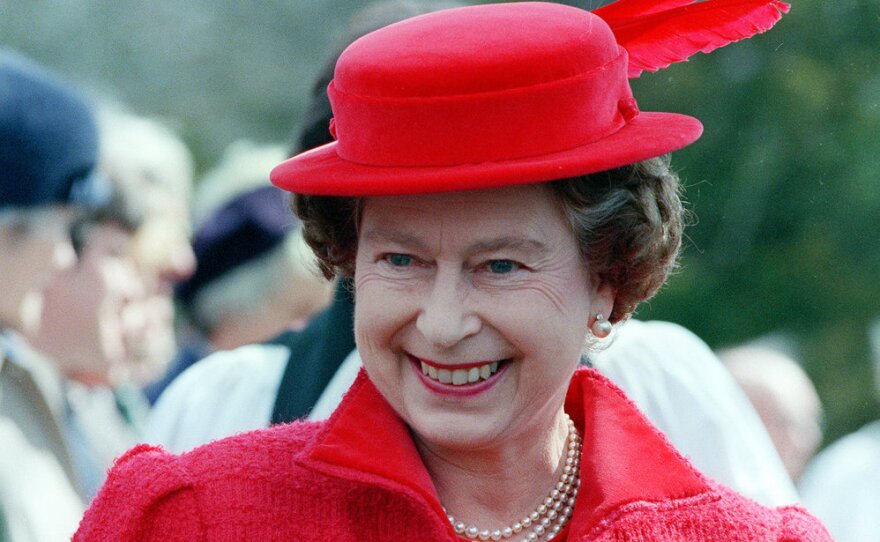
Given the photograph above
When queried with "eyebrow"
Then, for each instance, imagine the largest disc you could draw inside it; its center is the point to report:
(395, 236)
(524, 244)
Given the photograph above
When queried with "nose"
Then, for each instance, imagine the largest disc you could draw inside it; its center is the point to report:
(446, 317)
(63, 255)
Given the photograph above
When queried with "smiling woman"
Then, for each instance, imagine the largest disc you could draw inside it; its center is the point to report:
(500, 202)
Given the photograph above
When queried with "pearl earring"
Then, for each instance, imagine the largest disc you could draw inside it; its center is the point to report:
(601, 327)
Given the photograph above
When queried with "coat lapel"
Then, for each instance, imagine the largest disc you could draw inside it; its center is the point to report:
(624, 459)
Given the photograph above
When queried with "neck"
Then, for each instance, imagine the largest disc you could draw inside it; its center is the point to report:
(496, 486)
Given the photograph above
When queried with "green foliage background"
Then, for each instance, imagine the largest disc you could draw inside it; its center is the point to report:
(783, 183)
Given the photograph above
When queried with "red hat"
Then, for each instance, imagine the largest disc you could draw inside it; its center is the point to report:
(482, 97)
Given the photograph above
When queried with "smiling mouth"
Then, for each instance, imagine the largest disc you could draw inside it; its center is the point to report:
(461, 377)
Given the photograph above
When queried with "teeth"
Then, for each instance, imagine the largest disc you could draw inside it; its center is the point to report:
(459, 377)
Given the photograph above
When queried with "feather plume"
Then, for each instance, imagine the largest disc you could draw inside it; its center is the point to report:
(661, 32)
(628, 9)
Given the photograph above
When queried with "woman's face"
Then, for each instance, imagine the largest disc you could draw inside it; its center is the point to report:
(483, 285)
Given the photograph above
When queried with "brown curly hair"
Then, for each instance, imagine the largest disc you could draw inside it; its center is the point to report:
(628, 222)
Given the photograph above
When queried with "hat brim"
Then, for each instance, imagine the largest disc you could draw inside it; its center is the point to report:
(321, 171)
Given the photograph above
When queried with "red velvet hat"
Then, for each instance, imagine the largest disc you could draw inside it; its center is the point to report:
(493, 95)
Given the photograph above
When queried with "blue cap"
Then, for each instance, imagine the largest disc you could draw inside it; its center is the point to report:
(48, 139)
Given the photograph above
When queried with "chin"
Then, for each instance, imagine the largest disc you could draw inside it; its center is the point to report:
(457, 431)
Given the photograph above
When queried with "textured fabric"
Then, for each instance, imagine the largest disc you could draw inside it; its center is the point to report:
(481, 97)
(358, 477)
(842, 486)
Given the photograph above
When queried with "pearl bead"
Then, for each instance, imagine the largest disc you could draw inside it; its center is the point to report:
(557, 506)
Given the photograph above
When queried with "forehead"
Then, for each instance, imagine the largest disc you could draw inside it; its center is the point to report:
(517, 209)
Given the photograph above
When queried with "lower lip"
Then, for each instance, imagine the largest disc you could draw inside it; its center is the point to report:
(464, 390)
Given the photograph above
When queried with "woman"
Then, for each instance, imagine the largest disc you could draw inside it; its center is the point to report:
(497, 197)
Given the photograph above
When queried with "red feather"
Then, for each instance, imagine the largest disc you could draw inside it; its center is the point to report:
(625, 9)
(659, 33)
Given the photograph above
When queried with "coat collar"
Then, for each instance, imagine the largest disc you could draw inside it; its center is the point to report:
(624, 459)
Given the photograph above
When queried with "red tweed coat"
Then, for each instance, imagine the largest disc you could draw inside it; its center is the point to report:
(358, 478)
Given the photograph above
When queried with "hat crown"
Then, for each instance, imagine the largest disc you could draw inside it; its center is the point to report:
(48, 135)
(477, 49)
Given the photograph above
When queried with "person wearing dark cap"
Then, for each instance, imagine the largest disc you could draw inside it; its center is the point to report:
(255, 278)
(48, 150)
(500, 202)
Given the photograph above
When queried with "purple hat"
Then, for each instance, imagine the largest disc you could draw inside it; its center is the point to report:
(247, 227)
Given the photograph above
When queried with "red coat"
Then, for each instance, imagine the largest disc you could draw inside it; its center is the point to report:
(358, 478)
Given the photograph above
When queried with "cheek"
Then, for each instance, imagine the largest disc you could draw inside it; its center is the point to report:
(379, 315)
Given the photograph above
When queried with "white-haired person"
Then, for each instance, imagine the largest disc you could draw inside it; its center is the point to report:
(784, 397)
(255, 277)
(148, 162)
(500, 203)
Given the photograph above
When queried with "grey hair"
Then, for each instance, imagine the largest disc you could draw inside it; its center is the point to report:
(253, 285)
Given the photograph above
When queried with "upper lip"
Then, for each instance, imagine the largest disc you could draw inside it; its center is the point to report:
(455, 366)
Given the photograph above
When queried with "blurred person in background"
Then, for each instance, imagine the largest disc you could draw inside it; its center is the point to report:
(144, 158)
(86, 334)
(671, 374)
(785, 398)
(255, 277)
(842, 483)
(48, 151)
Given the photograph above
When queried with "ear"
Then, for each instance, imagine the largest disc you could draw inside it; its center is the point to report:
(603, 301)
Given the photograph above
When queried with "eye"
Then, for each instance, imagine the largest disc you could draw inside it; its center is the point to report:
(399, 260)
(501, 267)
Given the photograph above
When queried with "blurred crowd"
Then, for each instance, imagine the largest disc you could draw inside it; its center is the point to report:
(140, 302)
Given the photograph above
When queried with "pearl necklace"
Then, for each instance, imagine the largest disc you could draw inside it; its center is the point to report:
(551, 515)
